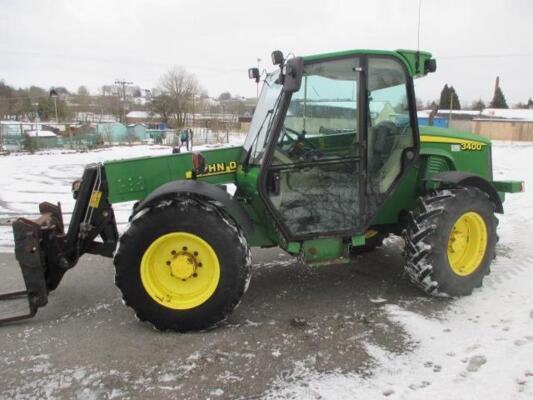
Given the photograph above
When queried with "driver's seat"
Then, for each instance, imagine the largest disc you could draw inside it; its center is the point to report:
(384, 135)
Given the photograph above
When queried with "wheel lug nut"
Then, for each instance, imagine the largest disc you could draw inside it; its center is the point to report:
(195, 275)
(184, 248)
(195, 253)
(173, 252)
(199, 264)
(168, 263)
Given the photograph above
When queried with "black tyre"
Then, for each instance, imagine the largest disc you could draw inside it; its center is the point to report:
(182, 265)
(373, 240)
(450, 241)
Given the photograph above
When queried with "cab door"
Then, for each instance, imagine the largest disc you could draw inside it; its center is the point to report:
(392, 140)
(340, 148)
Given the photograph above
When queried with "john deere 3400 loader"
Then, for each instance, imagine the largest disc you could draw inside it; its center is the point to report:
(334, 161)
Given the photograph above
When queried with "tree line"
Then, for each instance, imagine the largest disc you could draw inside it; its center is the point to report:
(449, 100)
(177, 95)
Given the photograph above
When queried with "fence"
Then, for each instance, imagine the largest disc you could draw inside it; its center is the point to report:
(200, 136)
(19, 143)
(80, 141)
(504, 129)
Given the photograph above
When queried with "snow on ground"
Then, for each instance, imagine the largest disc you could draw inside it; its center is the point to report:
(28, 179)
(480, 348)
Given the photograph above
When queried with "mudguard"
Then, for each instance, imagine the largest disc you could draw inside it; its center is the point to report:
(461, 178)
(205, 191)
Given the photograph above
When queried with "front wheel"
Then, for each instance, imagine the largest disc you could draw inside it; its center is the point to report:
(450, 241)
(182, 266)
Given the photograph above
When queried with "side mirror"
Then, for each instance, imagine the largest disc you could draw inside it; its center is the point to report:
(430, 65)
(293, 72)
(253, 73)
(277, 57)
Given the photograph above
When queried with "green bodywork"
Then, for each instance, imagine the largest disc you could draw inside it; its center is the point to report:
(134, 179)
(441, 150)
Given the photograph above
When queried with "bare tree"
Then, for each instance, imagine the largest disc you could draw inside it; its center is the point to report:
(162, 105)
(180, 86)
(83, 99)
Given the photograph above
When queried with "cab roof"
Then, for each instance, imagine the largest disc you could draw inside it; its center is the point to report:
(414, 60)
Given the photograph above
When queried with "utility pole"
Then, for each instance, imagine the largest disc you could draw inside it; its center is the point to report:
(123, 84)
(53, 95)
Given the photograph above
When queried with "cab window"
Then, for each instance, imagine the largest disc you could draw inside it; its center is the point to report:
(389, 125)
(321, 122)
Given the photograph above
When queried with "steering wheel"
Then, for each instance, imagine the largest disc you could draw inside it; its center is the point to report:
(300, 146)
(299, 137)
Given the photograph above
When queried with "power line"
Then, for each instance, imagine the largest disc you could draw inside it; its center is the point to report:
(162, 63)
(486, 55)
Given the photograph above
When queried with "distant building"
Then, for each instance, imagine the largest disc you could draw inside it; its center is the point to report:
(423, 119)
(12, 134)
(137, 133)
(112, 132)
(505, 124)
(82, 116)
(494, 123)
(142, 117)
(455, 119)
(43, 139)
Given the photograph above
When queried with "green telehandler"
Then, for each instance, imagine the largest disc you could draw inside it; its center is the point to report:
(334, 161)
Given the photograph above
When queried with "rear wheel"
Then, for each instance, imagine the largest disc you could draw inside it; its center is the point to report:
(450, 241)
(182, 266)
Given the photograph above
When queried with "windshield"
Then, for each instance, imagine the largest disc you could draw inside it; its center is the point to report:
(255, 141)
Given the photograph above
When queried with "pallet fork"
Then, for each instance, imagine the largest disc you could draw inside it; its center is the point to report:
(45, 252)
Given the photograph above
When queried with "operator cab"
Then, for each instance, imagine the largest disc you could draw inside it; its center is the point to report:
(332, 149)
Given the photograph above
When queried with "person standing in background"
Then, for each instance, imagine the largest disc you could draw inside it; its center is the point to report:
(184, 139)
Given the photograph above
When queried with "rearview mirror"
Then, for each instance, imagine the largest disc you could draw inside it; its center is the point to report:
(277, 57)
(253, 73)
(293, 71)
(430, 65)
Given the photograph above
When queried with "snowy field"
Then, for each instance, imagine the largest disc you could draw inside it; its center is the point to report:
(28, 179)
(480, 347)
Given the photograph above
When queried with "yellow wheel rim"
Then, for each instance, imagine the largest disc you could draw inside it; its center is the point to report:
(467, 243)
(180, 270)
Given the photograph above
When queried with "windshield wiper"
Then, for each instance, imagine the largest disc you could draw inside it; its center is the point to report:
(255, 142)
(253, 145)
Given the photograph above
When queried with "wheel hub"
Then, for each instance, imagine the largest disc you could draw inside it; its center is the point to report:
(467, 243)
(180, 270)
(183, 266)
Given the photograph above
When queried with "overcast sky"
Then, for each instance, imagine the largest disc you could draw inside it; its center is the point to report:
(73, 43)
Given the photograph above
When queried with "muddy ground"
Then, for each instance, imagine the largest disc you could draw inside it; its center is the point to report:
(87, 344)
